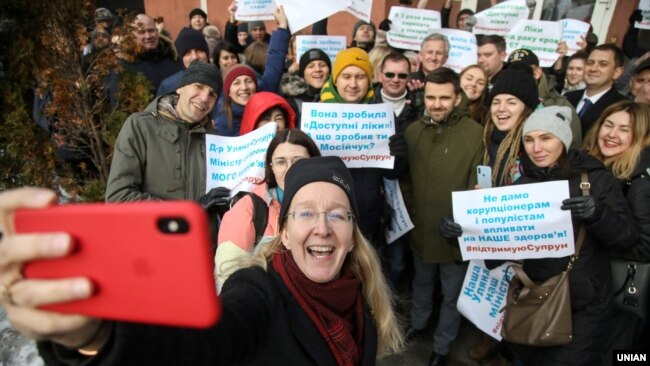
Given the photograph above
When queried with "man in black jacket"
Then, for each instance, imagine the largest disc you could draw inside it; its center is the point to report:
(604, 65)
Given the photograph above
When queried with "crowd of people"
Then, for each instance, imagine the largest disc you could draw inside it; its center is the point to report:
(302, 288)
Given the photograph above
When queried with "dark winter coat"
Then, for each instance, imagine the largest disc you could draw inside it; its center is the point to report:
(590, 279)
(261, 324)
(589, 119)
(637, 193)
(156, 65)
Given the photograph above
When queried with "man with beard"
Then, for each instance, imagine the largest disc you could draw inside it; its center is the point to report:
(444, 148)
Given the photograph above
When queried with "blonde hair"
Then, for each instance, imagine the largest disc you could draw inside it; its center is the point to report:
(622, 165)
(365, 263)
(508, 149)
(376, 57)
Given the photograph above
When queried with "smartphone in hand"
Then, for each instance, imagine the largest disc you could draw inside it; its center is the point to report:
(150, 262)
(484, 176)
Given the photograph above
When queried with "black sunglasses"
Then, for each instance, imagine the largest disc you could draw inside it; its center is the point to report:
(391, 75)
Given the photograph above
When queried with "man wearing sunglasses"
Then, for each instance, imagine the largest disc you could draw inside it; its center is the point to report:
(395, 75)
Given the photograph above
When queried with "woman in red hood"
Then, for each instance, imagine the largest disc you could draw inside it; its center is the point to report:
(265, 107)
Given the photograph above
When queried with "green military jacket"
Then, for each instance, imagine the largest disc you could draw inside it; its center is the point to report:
(442, 159)
(158, 156)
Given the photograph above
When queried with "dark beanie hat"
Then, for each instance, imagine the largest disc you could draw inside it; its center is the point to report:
(313, 54)
(254, 24)
(188, 39)
(330, 169)
(517, 82)
(202, 73)
(198, 11)
(242, 27)
(233, 72)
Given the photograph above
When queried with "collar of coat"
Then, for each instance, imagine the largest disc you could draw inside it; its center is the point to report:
(167, 107)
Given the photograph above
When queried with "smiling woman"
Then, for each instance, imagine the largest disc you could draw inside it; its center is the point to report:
(314, 296)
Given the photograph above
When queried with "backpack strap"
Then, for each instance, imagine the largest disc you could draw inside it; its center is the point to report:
(260, 216)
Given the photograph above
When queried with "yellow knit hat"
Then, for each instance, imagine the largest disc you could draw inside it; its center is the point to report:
(353, 56)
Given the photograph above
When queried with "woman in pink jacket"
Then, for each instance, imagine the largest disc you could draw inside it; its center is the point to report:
(237, 237)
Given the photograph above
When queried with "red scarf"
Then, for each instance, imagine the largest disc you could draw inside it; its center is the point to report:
(335, 307)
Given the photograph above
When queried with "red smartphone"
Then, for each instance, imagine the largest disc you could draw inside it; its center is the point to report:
(150, 262)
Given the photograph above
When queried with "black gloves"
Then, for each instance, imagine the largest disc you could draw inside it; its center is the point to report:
(449, 229)
(217, 197)
(385, 25)
(636, 16)
(397, 145)
(583, 207)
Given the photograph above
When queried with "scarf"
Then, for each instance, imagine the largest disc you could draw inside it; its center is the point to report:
(329, 94)
(335, 307)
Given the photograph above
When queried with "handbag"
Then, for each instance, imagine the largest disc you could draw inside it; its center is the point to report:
(539, 314)
(631, 281)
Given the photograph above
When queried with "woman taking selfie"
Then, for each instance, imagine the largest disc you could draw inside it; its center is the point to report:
(315, 294)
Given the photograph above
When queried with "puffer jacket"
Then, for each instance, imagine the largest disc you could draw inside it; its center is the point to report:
(258, 104)
(158, 156)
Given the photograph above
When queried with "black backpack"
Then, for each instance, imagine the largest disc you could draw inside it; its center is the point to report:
(260, 214)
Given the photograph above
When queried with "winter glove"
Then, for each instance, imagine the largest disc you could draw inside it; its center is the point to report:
(385, 25)
(583, 207)
(397, 145)
(450, 231)
(636, 16)
(217, 197)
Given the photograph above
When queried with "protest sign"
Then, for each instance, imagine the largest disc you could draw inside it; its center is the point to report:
(644, 6)
(573, 32)
(483, 295)
(400, 222)
(514, 222)
(410, 26)
(540, 36)
(361, 9)
(462, 48)
(501, 18)
(331, 45)
(237, 162)
(301, 13)
(357, 133)
(248, 10)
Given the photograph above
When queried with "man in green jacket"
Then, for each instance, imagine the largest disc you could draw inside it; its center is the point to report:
(444, 148)
(160, 152)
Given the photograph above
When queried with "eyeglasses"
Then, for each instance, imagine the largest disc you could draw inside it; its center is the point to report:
(334, 217)
(391, 75)
(282, 163)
